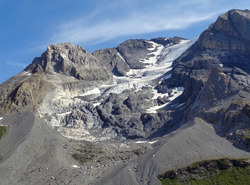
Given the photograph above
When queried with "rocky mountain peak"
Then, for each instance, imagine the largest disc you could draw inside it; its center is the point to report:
(69, 60)
(225, 44)
(61, 46)
(66, 50)
(229, 32)
(234, 23)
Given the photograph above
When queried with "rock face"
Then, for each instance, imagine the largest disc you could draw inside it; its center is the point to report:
(70, 60)
(53, 69)
(27, 93)
(225, 43)
(215, 73)
(126, 56)
(113, 60)
(131, 54)
(229, 33)
(133, 51)
(168, 41)
(126, 113)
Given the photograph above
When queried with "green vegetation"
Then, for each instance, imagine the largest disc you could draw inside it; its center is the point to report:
(3, 130)
(222, 172)
(239, 103)
(87, 153)
(80, 158)
(246, 134)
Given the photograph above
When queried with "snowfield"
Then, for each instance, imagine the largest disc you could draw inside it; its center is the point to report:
(158, 63)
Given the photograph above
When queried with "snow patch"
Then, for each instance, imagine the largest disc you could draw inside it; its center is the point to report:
(1, 118)
(152, 142)
(173, 52)
(124, 83)
(63, 55)
(77, 134)
(96, 104)
(121, 57)
(153, 110)
(159, 61)
(91, 92)
(64, 114)
(142, 142)
(156, 94)
(175, 93)
(28, 73)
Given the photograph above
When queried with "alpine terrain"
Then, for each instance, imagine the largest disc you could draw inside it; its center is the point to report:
(128, 115)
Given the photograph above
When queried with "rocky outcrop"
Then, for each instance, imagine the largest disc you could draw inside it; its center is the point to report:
(112, 60)
(53, 69)
(168, 41)
(218, 87)
(70, 60)
(125, 113)
(128, 55)
(85, 116)
(229, 33)
(28, 94)
(133, 51)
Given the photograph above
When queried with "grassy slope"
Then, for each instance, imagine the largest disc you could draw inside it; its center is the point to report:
(231, 175)
(3, 129)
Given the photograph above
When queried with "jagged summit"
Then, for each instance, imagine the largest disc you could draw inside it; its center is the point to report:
(229, 33)
(226, 43)
(70, 60)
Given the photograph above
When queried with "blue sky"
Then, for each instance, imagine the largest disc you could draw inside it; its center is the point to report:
(27, 27)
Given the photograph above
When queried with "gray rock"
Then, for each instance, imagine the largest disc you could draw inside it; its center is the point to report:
(112, 60)
(133, 51)
(126, 113)
(229, 33)
(215, 74)
(70, 60)
(168, 41)
(85, 116)
(28, 93)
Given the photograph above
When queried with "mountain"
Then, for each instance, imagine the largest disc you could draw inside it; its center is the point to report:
(125, 115)
(215, 72)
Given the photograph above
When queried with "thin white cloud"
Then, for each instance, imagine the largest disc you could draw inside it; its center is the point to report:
(160, 16)
(17, 64)
(78, 32)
